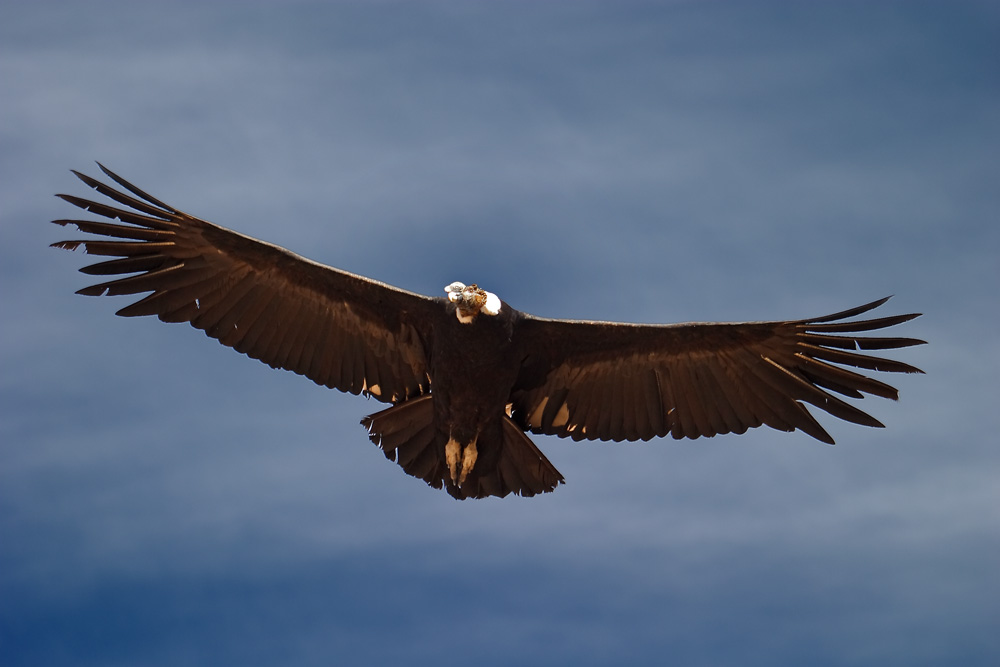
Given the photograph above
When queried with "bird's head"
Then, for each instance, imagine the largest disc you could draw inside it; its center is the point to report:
(470, 300)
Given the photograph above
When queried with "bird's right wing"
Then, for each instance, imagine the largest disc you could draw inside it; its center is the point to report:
(614, 381)
(338, 329)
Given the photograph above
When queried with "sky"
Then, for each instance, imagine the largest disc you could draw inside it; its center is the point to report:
(165, 500)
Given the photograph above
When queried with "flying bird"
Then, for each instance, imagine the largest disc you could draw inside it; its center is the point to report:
(466, 375)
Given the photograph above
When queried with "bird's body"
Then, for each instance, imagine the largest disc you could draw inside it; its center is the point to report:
(467, 375)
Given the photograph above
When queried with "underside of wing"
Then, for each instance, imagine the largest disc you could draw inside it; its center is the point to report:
(610, 381)
(338, 329)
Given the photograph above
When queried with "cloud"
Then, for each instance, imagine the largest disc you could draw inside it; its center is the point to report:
(163, 498)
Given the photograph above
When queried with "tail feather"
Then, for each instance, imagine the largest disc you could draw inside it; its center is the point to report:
(406, 433)
(520, 468)
(423, 460)
(416, 450)
(523, 464)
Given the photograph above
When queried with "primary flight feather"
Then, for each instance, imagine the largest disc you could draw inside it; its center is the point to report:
(466, 375)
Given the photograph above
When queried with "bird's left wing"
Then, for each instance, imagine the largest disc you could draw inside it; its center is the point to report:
(338, 329)
(611, 381)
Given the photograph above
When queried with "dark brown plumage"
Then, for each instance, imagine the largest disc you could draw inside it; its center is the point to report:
(467, 375)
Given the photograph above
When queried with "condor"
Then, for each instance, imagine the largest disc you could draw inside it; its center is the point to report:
(466, 375)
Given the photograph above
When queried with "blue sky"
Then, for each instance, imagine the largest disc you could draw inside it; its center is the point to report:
(164, 500)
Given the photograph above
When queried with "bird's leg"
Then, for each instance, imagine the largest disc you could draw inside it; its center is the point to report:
(456, 454)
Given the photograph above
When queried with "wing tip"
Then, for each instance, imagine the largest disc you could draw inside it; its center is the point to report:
(845, 314)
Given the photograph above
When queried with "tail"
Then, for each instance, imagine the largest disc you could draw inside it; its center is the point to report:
(407, 435)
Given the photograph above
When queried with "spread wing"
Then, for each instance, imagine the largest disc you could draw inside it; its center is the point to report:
(610, 381)
(338, 329)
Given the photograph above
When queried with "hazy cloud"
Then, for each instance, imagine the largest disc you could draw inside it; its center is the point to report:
(163, 499)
